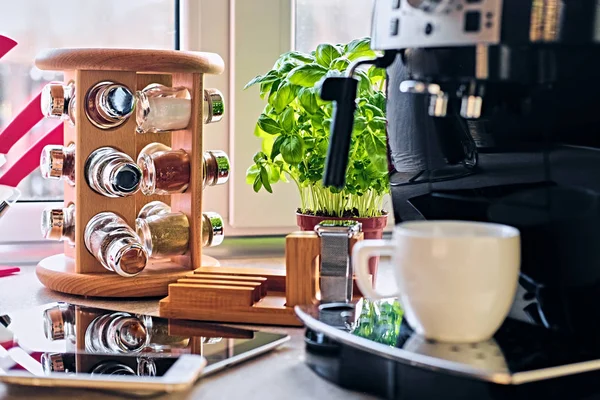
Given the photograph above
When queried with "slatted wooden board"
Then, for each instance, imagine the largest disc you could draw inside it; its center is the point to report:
(251, 295)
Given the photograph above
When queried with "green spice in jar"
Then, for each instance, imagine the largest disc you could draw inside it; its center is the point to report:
(165, 235)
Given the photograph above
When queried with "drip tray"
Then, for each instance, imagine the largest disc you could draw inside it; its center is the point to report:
(368, 347)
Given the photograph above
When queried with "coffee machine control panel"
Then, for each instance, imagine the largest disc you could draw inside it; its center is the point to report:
(400, 24)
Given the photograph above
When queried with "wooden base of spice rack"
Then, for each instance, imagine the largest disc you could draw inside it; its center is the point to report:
(252, 295)
(58, 273)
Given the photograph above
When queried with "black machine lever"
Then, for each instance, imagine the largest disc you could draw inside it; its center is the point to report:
(342, 90)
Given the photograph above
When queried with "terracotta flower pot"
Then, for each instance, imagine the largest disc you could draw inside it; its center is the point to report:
(372, 228)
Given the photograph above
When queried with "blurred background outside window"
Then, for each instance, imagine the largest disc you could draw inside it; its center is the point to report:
(39, 24)
(331, 21)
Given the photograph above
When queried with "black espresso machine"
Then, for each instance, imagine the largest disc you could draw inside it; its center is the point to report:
(493, 111)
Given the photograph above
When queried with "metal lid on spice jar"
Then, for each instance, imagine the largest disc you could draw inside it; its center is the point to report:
(52, 162)
(126, 256)
(53, 222)
(216, 167)
(214, 106)
(214, 228)
(55, 99)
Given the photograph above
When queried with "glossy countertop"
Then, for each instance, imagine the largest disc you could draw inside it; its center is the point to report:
(280, 374)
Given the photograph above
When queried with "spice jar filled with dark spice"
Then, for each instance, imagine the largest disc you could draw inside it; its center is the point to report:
(165, 233)
(167, 171)
(58, 162)
(115, 245)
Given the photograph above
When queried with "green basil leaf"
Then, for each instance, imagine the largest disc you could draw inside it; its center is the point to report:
(376, 74)
(273, 91)
(258, 157)
(309, 142)
(287, 67)
(378, 100)
(378, 123)
(259, 132)
(292, 149)
(257, 183)
(359, 48)
(375, 110)
(326, 53)
(308, 100)
(264, 178)
(306, 75)
(269, 77)
(360, 124)
(285, 94)
(364, 83)
(327, 125)
(267, 143)
(377, 150)
(340, 64)
(268, 125)
(276, 149)
(251, 173)
(274, 173)
(286, 120)
(265, 88)
(296, 55)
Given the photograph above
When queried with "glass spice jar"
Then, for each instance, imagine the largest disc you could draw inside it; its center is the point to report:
(53, 363)
(161, 108)
(109, 105)
(58, 101)
(115, 245)
(59, 224)
(112, 173)
(165, 233)
(118, 332)
(59, 322)
(167, 171)
(58, 162)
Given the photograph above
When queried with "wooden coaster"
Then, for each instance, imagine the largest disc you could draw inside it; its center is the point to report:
(58, 273)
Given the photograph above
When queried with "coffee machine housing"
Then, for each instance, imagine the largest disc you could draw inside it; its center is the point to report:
(493, 116)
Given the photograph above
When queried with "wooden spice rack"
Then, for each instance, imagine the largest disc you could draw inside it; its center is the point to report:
(252, 295)
(77, 271)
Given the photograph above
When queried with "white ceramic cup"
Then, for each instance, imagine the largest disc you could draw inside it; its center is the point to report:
(456, 279)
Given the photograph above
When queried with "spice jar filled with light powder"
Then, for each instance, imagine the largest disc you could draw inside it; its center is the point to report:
(165, 233)
(167, 171)
(161, 108)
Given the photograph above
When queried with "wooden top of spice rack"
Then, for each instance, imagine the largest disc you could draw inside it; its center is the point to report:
(139, 60)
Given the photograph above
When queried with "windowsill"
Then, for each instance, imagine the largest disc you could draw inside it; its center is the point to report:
(251, 247)
(28, 253)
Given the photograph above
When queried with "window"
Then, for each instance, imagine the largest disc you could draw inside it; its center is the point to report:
(261, 30)
(38, 24)
(332, 21)
(249, 35)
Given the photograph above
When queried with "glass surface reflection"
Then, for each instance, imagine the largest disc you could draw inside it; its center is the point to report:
(379, 321)
(66, 338)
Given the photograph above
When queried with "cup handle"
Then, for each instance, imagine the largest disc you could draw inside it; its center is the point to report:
(361, 253)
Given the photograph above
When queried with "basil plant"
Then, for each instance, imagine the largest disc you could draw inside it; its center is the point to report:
(294, 128)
